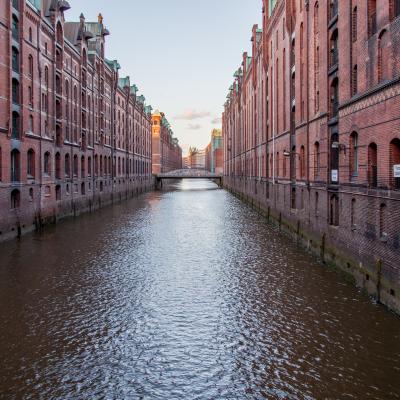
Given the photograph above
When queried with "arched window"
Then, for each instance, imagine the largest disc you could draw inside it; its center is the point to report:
(15, 91)
(15, 199)
(59, 34)
(302, 162)
(30, 66)
(89, 165)
(83, 188)
(394, 157)
(373, 165)
(67, 165)
(354, 81)
(83, 173)
(334, 210)
(333, 8)
(58, 165)
(371, 17)
(16, 126)
(334, 51)
(383, 56)
(30, 165)
(316, 17)
(46, 77)
(30, 35)
(75, 165)
(15, 28)
(15, 166)
(15, 59)
(334, 97)
(30, 96)
(47, 163)
(354, 19)
(317, 159)
(353, 154)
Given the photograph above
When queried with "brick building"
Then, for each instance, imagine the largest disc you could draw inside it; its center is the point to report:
(214, 153)
(73, 133)
(311, 132)
(166, 152)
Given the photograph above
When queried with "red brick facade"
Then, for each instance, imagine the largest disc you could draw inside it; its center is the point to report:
(166, 152)
(311, 132)
(73, 134)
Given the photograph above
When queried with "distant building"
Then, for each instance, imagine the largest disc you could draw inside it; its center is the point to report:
(214, 153)
(166, 152)
(198, 160)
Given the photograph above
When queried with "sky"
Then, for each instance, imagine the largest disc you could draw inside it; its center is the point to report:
(180, 53)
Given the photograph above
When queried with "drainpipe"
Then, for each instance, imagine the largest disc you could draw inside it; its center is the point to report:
(307, 6)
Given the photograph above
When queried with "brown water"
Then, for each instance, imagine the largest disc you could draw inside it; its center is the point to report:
(185, 294)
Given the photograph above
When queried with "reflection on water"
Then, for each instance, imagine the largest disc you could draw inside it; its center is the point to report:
(185, 294)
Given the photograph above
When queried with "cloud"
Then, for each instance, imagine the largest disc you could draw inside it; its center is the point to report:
(191, 115)
(216, 121)
(194, 127)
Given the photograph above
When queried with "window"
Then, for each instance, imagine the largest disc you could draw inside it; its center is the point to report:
(15, 133)
(317, 159)
(15, 91)
(334, 52)
(30, 35)
(354, 24)
(373, 165)
(75, 165)
(15, 166)
(46, 77)
(354, 81)
(334, 210)
(58, 192)
(353, 154)
(82, 167)
(383, 56)
(31, 126)
(30, 165)
(15, 28)
(89, 161)
(394, 157)
(371, 17)
(67, 166)
(46, 165)
(333, 8)
(316, 204)
(58, 165)
(302, 162)
(334, 97)
(82, 188)
(316, 18)
(353, 214)
(30, 65)
(30, 96)
(15, 59)
(15, 199)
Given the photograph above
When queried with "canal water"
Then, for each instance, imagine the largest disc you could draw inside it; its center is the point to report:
(185, 294)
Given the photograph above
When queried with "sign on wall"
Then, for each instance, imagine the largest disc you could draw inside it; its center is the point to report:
(396, 171)
(334, 175)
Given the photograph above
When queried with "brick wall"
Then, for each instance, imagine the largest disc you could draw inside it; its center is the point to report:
(73, 134)
(319, 159)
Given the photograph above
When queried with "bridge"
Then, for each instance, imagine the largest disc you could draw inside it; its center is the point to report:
(188, 174)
